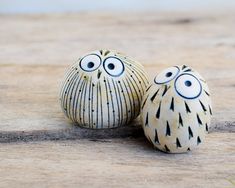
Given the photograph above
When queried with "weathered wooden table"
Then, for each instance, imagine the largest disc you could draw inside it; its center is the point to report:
(40, 148)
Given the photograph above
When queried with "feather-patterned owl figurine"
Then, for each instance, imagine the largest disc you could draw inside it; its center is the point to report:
(176, 110)
(103, 89)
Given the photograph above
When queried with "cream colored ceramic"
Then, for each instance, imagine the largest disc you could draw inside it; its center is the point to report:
(176, 110)
(103, 89)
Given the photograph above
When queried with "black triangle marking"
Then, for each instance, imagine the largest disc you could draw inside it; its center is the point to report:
(178, 143)
(147, 120)
(165, 90)
(106, 53)
(207, 129)
(199, 120)
(168, 130)
(167, 149)
(206, 93)
(99, 74)
(101, 52)
(198, 140)
(155, 94)
(156, 140)
(144, 102)
(184, 66)
(180, 120)
(188, 149)
(203, 107)
(190, 132)
(188, 70)
(158, 111)
(210, 110)
(172, 104)
(187, 107)
(148, 88)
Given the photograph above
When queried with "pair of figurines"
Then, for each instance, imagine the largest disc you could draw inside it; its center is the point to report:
(105, 89)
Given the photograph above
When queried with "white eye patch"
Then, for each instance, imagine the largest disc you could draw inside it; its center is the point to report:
(188, 86)
(166, 75)
(113, 66)
(90, 62)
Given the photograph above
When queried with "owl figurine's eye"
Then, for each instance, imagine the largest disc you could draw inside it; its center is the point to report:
(90, 62)
(167, 75)
(188, 86)
(113, 66)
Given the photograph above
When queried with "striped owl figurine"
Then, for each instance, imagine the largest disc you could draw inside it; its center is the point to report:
(103, 89)
(176, 110)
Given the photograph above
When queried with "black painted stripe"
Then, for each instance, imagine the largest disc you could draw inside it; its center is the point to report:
(180, 120)
(65, 88)
(210, 110)
(178, 145)
(156, 139)
(133, 99)
(84, 103)
(111, 97)
(155, 94)
(89, 102)
(165, 90)
(158, 111)
(68, 93)
(121, 102)
(167, 149)
(168, 130)
(147, 119)
(117, 104)
(198, 140)
(136, 93)
(149, 87)
(80, 103)
(172, 104)
(207, 128)
(187, 107)
(202, 105)
(130, 101)
(207, 93)
(190, 132)
(199, 120)
(77, 84)
(78, 93)
(144, 101)
(108, 101)
(125, 100)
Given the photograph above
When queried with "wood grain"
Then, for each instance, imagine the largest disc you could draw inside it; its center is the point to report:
(117, 163)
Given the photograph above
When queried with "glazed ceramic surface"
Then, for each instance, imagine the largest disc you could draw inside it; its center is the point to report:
(176, 110)
(103, 89)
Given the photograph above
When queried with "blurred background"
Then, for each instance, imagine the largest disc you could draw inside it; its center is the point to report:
(153, 31)
(58, 6)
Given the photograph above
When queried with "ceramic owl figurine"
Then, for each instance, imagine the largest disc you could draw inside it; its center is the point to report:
(176, 110)
(103, 89)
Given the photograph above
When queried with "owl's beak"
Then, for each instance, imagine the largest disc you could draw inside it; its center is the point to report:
(99, 74)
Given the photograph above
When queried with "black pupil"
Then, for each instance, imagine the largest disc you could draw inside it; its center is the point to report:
(188, 83)
(90, 65)
(111, 66)
(168, 74)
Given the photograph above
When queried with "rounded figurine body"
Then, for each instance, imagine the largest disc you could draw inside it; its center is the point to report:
(103, 89)
(176, 110)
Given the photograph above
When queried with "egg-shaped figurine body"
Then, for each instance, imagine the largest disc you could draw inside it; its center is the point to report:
(176, 110)
(103, 89)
